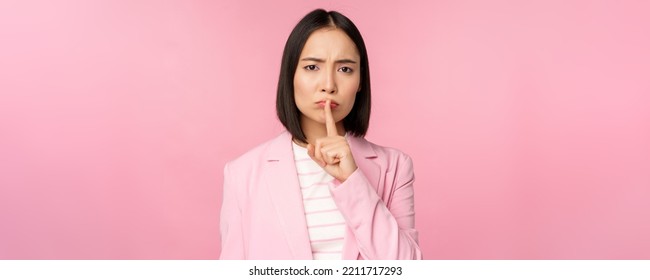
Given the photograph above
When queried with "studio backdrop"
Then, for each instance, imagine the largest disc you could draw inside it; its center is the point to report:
(528, 121)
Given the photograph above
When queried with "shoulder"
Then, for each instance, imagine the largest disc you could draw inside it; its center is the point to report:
(394, 158)
(254, 154)
(260, 153)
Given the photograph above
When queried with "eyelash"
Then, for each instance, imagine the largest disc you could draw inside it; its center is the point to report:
(314, 66)
(350, 69)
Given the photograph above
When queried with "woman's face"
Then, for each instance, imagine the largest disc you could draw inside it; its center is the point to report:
(328, 68)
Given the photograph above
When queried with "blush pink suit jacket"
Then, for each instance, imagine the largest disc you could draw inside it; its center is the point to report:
(262, 215)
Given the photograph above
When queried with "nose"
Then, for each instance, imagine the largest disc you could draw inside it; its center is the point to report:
(328, 83)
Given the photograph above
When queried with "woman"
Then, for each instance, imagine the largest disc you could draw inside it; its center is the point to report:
(319, 190)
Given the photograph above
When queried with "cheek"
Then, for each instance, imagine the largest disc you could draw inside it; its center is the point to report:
(300, 93)
(351, 89)
(298, 89)
(301, 83)
(351, 84)
(351, 101)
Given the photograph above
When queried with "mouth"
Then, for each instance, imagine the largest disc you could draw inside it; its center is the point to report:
(321, 104)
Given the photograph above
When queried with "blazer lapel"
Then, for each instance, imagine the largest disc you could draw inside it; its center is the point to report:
(282, 182)
(364, 156)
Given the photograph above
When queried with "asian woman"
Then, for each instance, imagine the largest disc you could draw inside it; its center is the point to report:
(320, 190)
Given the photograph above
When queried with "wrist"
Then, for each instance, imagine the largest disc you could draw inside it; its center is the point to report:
(346, 176)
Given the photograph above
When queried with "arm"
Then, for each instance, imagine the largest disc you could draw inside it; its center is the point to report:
(232, 243)
(382, 231)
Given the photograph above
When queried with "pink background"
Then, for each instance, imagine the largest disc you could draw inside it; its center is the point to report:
(528, 121)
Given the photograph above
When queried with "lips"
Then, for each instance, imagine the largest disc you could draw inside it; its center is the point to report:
(321, 104)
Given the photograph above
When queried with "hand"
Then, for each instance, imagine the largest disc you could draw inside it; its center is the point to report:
(332, 152)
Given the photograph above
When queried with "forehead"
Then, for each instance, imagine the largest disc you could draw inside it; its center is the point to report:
(329, 42)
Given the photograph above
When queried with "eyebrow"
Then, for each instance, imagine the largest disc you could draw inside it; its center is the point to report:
(345, 60)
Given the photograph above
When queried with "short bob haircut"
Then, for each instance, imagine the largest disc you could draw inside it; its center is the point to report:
(356, 122)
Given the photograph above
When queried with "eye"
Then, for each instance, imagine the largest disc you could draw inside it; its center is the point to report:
(346, 69)
(311, 67)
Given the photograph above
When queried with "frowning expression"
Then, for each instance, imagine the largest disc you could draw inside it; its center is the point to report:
(328, 68)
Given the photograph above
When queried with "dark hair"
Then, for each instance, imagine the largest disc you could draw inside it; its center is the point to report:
(356, 122)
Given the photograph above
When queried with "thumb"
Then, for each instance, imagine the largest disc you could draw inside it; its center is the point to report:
(311, 152)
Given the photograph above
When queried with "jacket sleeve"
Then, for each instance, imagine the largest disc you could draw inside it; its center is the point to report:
(232, 243)
(382, 230)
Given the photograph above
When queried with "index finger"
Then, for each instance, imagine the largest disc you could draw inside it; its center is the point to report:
(330, 124)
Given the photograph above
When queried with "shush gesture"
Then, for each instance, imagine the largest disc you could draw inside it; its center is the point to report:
(332, 152)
